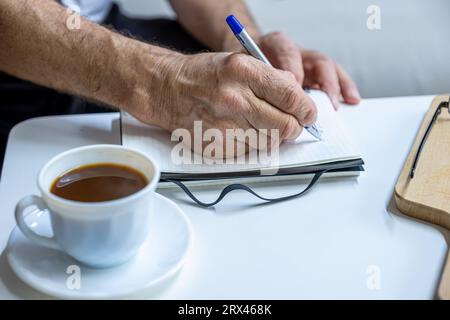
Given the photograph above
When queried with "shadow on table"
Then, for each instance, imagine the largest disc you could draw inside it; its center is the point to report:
(100, 136)
(393, 209)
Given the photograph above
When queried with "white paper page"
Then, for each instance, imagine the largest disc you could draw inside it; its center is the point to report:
(306, 150)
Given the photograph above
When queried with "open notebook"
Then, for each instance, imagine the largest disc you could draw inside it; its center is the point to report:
(297, 159)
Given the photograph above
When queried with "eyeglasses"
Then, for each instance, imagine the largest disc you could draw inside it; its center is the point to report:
(442, 105)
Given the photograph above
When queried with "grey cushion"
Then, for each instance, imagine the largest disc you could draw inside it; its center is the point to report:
(408, 56)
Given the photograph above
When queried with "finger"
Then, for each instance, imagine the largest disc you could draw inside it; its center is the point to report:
(228, 139)
(240, 140)
(349, 90)
(327, 78)
(310, 84)
(281, 90)
(292, 63)
(272, 121)
(283, 54)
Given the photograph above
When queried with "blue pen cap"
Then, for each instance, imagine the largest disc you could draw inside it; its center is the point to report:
(234, 24)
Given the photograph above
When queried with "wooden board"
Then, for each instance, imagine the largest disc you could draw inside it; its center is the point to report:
(427, 195)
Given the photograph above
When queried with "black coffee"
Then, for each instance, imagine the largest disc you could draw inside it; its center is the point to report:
(98, 182)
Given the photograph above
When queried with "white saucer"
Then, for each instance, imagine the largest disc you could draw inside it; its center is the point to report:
(160, 257)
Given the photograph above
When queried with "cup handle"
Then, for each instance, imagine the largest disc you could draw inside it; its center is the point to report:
(25, 203)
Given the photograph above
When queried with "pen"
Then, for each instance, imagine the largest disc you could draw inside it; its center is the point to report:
(253, 49)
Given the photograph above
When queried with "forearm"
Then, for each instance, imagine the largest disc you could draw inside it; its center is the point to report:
(205, 19)
(92, 61)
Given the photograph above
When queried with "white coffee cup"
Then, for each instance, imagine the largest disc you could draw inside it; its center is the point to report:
(98, 234)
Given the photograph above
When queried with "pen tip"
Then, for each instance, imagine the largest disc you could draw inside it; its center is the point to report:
(315, 132)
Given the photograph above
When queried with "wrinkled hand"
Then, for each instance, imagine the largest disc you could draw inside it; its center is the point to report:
(311, 68)
(228, 91)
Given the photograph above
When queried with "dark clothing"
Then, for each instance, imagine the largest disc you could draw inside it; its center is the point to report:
(21, 100)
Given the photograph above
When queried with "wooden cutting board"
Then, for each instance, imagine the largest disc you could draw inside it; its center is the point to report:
(427, 195)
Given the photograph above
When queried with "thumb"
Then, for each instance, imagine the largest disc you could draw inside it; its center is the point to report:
(283, 54)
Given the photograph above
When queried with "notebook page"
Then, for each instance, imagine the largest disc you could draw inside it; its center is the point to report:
(306, 150)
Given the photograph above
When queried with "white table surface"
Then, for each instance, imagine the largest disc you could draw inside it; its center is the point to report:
(323, 245)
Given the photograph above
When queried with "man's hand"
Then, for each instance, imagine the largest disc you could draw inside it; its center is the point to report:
(156, 85)
(311, 68)
(206, 21)
(226, 91)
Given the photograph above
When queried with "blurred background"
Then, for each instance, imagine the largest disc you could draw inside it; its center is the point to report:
(409, 55)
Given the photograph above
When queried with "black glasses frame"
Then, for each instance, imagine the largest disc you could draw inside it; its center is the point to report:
(442, 105)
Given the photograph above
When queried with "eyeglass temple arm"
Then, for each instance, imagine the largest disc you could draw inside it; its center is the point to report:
(443, 104)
